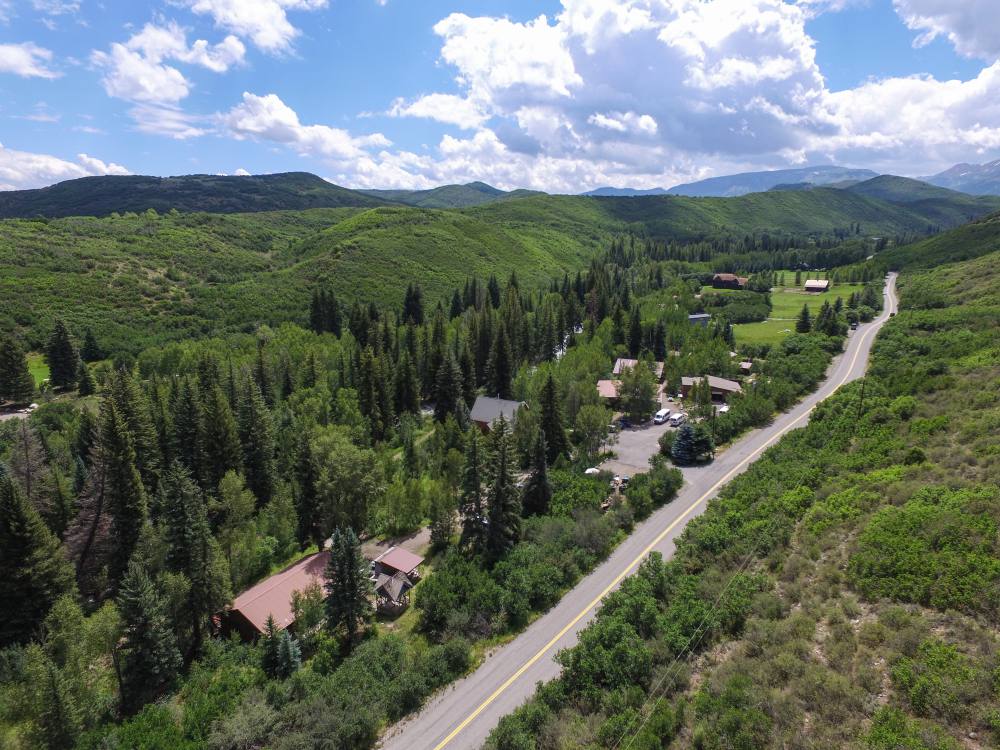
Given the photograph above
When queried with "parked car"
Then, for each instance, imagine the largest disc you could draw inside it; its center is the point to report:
(661, 416)
(623, 481)
(678, 419)
(723, 409)
(624, 423)
(854, 326)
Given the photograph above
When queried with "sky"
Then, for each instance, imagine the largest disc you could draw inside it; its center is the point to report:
(562, 96)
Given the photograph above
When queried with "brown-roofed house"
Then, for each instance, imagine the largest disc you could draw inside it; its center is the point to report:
(728, 281)
(721, 388)
(273, 596)
(392, 592)
(818, 285)
(623, 363)
(608, 389)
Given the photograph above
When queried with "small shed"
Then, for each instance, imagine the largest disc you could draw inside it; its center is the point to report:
(392, 592)
(746, 367)
(699, 319)
(398, 560)
(721, 388)
(816, 286)
(488, 410)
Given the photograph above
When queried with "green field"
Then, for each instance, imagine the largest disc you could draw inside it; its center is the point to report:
(786, 306)
(39, 369)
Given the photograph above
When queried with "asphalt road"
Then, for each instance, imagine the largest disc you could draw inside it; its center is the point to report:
(462, 715)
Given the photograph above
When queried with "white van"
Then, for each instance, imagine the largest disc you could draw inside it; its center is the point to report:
(661, 416)
(678, 419)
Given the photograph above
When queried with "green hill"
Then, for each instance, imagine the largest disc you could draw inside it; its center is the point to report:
(101, 196)
(945, 207)
(140, 278)
(972, 240)
(449, 196)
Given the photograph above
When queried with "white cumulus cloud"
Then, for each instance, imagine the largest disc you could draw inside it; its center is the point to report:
(268, 118)
(972, 26)
(26, 169)
(264, 22)
(446, 108)
(26, 59)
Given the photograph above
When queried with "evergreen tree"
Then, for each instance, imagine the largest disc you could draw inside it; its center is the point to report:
(307, 504)
(803, 324)
(222, 449)
(456, 305)
(61, 354)
(635, 332)
(471, 504)
(188, 442)
(58, 721)
(442, 513)
(85, 380)
(538, 491)
(16, 382)
(35, 569)
(501, 367)
(133, 406)
(257, 437)
(683, 451)
(407, 386)
(552, 421)
(262, 374)
(91, 350)
(413, 305)
(289, 656)
(448, 398)
(348, 586)
(112, 507)
(704, 442)
(269, 645)
(147, 657)
(503, 500)
(193, 552)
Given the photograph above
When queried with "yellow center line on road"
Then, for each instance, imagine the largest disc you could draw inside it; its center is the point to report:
(649, 548)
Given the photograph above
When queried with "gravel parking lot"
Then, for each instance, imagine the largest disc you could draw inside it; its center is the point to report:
(635, 446)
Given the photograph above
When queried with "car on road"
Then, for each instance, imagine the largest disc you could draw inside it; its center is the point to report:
(678, 419)
(661, 416)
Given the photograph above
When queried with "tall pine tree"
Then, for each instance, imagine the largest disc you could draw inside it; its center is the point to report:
(501, 367)
(552, 421)
(223, 451)
(35, 569)
(147, 657)
(348, 586)
(61, 354)
(503, 499)
(538, 490)
(472, 505)
(16, 382)
(257, 436)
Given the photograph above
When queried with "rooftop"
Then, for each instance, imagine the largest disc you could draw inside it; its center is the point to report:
(399, 559)
(622, 364)
(714, 382)
(273, 596)
(488, 410)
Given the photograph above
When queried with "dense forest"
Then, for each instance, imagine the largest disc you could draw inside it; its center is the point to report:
(147, 489)
(843, 592)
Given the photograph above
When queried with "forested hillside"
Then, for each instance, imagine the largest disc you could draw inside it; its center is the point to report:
(843, 592)
(138, 279)
(102, 196)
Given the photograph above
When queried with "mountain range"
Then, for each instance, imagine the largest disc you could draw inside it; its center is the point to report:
(976, 179)
(730, 186)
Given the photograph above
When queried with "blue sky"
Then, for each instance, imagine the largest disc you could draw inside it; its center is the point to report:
(560, 96)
